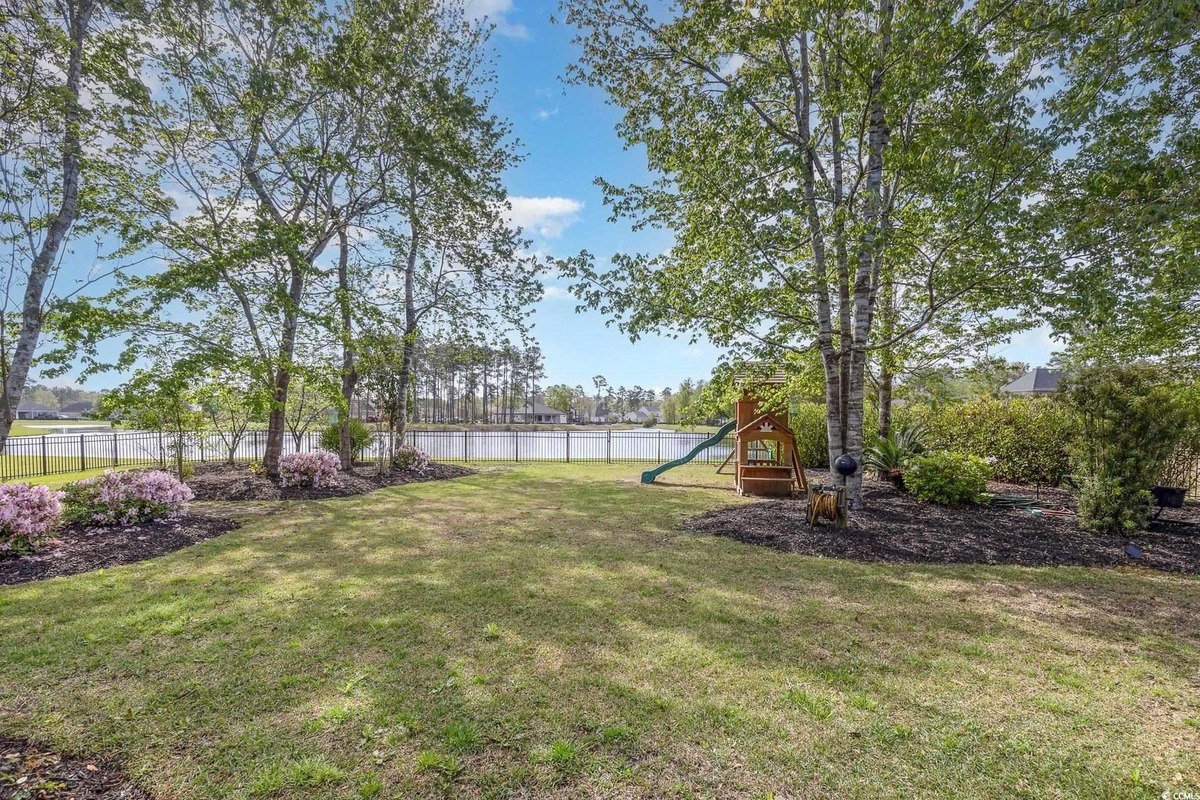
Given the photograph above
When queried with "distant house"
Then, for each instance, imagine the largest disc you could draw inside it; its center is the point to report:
(1038, 381)
(361, 409)
(539, 412)
(643, 414)
(27, 409)
(77, 410)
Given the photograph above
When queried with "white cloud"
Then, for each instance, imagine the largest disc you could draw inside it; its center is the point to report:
(552, 292)
(548, 217)
(546, 113)
(496, 12)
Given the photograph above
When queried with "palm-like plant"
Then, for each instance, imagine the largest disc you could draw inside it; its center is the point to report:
(888, 456)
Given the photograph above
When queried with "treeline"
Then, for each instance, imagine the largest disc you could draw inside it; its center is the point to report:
(55, 397)
(474, 383)
(608, 403)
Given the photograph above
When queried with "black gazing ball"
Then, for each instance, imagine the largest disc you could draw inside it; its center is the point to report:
(846, 465)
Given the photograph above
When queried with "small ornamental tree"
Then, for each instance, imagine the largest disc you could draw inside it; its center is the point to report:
(162, 399)
(1131, 419)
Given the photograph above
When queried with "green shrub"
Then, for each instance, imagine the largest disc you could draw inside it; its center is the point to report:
(1026, 440)
(947, 478)
(807, 421)
(360, 438)
(1132, 420)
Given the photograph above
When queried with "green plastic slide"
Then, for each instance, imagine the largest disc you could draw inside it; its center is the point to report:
(649, 475)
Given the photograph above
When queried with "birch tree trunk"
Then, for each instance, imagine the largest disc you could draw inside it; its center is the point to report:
(79, 17)
(865, 276)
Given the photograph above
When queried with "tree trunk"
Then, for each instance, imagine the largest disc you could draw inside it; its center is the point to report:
(400, 423)
(277, 422)
(17, 372)
(885, 403)
(180, 433)
(833, 411)
(868, 259)
(349, 371)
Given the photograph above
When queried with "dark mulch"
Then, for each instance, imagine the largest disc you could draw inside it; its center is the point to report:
(82, 549)
(896, 528)
(237, 482)
(35, 773)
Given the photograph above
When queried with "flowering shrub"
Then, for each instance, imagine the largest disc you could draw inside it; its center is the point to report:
(124, 498)
(410, 458)
(27, 515)
(317, 470)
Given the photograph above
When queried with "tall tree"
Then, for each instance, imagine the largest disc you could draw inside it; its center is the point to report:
(808, 153)
(1123, 208)
(65, 67)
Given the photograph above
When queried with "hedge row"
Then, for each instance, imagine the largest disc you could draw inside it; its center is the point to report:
(1024, 440)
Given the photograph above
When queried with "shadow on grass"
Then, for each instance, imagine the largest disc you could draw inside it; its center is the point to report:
(538, 608)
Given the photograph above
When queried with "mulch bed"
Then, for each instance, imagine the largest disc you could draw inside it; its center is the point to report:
(79, 548)
(896, 528)
(236, 482)
(34, 773)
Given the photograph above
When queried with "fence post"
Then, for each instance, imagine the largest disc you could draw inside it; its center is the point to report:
(82, 455)
(115, 457)
(659, 447)
(465, 432)
(608, 446)
(45, 460)
(517, 445)
(162, 453)
(568, 445)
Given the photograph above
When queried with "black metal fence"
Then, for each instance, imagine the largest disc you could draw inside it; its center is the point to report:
(56, 454)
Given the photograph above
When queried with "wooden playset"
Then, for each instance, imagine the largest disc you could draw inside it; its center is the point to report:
(767, 461)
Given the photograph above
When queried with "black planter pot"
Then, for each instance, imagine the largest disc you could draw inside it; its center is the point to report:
(1169, 496)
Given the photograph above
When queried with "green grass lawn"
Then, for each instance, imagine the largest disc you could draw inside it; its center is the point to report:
(547, 630)
(37, 427)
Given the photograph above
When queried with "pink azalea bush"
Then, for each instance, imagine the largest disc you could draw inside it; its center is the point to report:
(125, 498)
(318, 470)
(410, 458)
(27, 516)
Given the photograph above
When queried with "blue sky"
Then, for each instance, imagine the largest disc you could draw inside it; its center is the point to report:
(567, 133)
